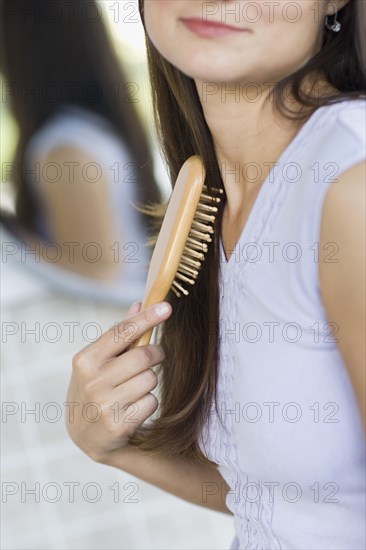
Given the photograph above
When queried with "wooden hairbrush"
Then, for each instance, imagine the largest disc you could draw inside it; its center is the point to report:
(183, 238)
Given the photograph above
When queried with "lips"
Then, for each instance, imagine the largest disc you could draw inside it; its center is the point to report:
(210, 28)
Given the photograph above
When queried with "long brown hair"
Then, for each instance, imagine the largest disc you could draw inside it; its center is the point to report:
(55, 53)
(190, 336)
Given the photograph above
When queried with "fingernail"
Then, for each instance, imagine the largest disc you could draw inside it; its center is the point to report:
(162, 309)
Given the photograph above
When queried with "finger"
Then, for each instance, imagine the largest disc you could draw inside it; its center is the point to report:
(139, 411)
(120, 337)
(135, 388)
(85, 356)
(131, 363)
(134, 308)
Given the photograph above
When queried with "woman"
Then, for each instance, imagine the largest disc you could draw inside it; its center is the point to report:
(82, 159)
(262, 365)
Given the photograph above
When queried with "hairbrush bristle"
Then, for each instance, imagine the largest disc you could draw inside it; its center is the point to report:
(197, 242)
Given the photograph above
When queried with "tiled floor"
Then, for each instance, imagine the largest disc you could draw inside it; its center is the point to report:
(53, 496)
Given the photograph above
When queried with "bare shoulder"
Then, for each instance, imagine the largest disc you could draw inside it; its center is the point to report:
(75, 191)
(69, 174)
(66, 154)
(342, 281)
(343, 219)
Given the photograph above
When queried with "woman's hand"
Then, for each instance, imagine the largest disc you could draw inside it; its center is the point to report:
(109, 394)
(107, 377)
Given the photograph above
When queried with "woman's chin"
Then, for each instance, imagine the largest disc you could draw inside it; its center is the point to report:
(220, 75)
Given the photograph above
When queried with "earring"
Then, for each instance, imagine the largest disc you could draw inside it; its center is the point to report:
(335, 26)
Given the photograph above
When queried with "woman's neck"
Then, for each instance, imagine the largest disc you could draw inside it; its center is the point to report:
(249, 135)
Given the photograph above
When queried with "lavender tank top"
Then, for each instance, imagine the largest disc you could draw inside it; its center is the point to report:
(288, 439)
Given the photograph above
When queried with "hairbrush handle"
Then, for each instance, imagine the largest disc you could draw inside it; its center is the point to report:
(144, 340)
(173, 235)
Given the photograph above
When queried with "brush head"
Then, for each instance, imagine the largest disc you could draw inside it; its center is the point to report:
(197, 242)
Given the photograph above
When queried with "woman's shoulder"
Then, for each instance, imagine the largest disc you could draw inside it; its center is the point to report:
(349, 117)
(337, 137)
(353, 118)
(78, 128)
